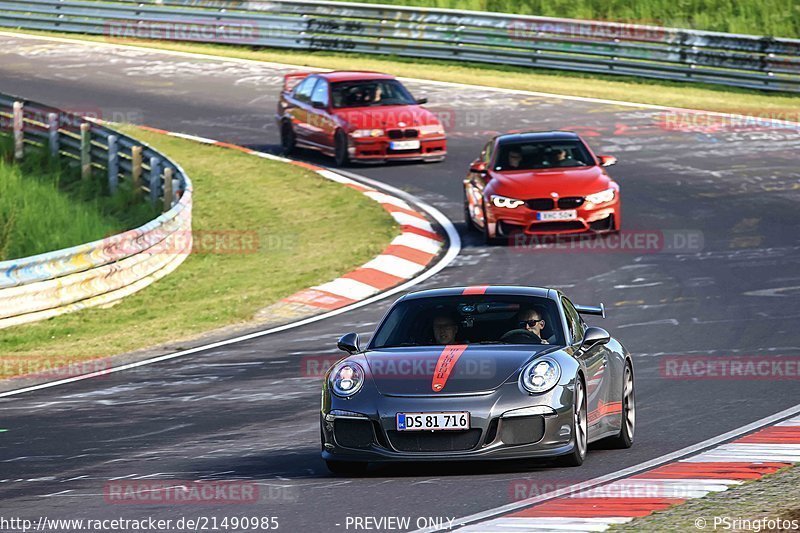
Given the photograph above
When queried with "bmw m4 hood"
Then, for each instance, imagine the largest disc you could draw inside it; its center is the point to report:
(453, 369)
(527, 184)
(387, 117)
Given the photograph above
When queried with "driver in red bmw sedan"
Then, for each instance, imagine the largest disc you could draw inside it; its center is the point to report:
(540, 183)
(357, 116)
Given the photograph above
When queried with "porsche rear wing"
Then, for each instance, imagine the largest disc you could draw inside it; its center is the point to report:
(591, 310)
(292, 79)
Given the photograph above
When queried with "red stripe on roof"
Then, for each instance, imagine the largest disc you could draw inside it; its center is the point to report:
(599, 507)
(712, 470)
(476, 289)
(444, 366)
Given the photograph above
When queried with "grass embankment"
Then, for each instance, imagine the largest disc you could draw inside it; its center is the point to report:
(76, 211)
(778, 18)
(694, 96)
(773, 497)
(267, 230)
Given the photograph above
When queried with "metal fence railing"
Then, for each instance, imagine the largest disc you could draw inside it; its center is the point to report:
(101, 272)
(596, 47)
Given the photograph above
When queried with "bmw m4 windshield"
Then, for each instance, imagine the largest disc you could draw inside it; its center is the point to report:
(472, 319)
(370, 93)
(539, 155)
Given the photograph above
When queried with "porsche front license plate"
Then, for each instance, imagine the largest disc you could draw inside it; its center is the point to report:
(404, 145)
(569, 214)
(432, 421)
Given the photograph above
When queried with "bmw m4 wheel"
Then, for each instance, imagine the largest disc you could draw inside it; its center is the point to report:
(580, 428)
(625, 437)
(346, 467)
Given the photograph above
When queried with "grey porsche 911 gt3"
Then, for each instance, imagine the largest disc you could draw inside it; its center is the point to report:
(487, 372)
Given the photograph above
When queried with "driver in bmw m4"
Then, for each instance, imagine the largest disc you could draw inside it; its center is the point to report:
(415, 393)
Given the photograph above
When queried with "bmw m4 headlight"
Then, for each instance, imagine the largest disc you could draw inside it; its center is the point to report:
(601, 197)
(346, 379)
(367, 133)
(540, 375)
(431, 129)
(510, 203)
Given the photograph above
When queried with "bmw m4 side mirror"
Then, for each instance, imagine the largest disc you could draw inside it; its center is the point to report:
(318, 105)
(594, 337)
(478, 167)
(607, 160)
(349, 343)
(421, 101)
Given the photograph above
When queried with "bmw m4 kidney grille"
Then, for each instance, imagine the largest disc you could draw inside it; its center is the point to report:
(570, 202)
(541, 204)
(437, 441)
(403, 134)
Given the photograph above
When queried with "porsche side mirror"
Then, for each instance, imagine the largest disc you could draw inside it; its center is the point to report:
(349, 343)
(421, 101)
(607, 160)
(318, 105)
(594, 337)
(478, 167)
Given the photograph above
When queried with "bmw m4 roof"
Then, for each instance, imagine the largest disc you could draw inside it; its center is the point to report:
(482, 289)
(536, 136)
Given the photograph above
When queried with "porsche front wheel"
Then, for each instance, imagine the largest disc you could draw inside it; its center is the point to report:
(628, 423)
(580, 428)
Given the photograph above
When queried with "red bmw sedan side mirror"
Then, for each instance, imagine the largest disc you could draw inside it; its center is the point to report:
(607, 160)
(478, 167)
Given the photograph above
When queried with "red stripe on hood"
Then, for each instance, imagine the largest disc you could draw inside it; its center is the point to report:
(476, 289)
(447, 360)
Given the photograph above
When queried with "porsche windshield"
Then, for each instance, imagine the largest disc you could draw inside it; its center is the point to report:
(472, 319)
(542, 154)
(370, 93)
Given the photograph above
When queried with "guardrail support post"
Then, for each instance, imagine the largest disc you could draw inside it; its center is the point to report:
(136, 169)
(113, 164)
(167, 189)
(155, 179)
(86, 151)
(19, 132)
(52, 130)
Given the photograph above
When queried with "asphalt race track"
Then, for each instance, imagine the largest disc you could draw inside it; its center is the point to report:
(248, 412)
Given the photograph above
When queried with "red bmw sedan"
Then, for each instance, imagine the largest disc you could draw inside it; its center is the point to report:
(540, 183)
(357, 116)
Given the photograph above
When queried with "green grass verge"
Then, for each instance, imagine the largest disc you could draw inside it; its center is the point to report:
(772, 497)
(779, 18)
(78, 211)
(705, 97)
(300, 221)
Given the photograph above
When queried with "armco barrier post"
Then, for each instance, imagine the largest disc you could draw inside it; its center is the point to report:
(113, 164)
(19, 132)
(86, 151)
(155, 179)
(52, 131)
(136, 170)
(167, 189)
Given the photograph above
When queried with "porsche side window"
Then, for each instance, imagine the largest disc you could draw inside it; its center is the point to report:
(303, 91)
(573, 321)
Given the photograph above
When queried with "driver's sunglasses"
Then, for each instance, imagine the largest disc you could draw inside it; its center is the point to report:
(529, 323)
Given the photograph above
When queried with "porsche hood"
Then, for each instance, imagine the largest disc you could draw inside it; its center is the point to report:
(452, 369)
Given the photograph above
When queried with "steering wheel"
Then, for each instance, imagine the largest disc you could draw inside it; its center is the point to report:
(521, 336)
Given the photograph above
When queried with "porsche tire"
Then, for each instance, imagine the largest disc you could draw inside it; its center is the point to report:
(340, 149)
(580, 428)
(628, 424)
(346, 467)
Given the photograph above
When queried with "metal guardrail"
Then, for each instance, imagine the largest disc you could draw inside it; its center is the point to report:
(540, 42)
(101, 272)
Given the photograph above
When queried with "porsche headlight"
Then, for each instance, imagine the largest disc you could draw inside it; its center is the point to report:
(601, 197)
(346, 379)
(431, 129)
(510, 203)
(367, 133)
(540, 375)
